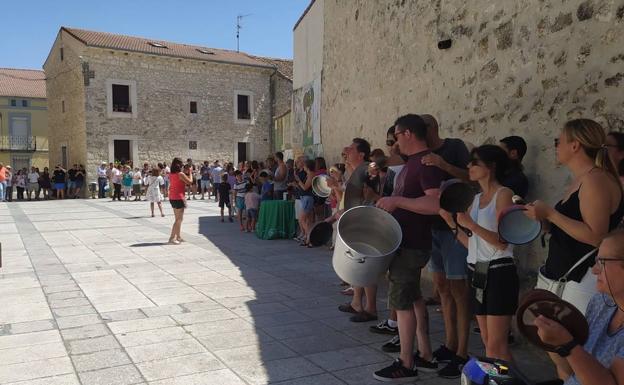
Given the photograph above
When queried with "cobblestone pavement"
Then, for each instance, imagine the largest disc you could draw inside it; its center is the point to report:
(90, 293)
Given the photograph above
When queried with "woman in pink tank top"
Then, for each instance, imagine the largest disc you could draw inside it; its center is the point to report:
(180, 177)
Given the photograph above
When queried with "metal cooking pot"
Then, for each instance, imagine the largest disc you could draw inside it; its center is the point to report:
(321, 233)
(320, 186)
(366, 242)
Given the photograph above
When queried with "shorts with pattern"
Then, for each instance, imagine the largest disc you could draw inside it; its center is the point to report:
(404, 276)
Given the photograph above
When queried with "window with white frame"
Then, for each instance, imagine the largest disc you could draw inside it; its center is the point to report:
(121, 98)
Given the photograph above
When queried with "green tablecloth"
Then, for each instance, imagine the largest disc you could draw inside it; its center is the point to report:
(276, 220)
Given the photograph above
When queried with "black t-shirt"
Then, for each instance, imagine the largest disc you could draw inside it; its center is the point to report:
(80, 176)
(71, 174)
(59, 176)
(455, 153)
(517, 182)
(224, 192)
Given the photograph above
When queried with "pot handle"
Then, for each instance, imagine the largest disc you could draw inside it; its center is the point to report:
(350, 255)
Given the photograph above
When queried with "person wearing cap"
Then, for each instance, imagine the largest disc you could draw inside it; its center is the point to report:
(102, 180)
(3, 183)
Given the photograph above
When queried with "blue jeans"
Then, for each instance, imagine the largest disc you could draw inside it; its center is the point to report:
(2, 190)
(101, 186)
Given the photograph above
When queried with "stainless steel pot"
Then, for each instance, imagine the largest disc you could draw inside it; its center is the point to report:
(320, 187)
(366, 242)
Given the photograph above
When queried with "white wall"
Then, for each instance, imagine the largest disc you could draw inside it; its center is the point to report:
(308, 46)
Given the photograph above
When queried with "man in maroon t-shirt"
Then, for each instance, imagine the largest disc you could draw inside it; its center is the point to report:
(413, 203)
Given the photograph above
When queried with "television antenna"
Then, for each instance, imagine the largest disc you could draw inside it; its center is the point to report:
(239, 18)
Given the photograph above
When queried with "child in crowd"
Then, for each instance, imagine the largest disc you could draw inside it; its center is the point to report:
(153, 194)
(20, 184)
(267, 186)
(224, 197)
(252, 203)
(136, 183)
(240, 188)
(126, 182)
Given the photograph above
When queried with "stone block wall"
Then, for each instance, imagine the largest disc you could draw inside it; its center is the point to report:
(164, 125)
(520, 67)
(65, 86)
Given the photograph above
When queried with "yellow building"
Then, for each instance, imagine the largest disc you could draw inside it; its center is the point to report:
(23, 118)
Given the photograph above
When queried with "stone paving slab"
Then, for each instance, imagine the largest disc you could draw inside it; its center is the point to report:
(90, 293)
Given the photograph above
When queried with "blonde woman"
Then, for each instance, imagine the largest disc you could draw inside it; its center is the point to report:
(592, 206)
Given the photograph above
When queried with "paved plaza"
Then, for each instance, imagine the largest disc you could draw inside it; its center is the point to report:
(90, 293)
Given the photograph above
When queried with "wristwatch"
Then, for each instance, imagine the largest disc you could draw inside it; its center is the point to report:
(565, 349)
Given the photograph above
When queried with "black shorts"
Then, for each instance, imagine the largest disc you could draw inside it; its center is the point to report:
(500, 296)
(178, 204)
(225, 202)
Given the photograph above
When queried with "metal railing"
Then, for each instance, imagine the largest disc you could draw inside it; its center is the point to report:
(23, 143)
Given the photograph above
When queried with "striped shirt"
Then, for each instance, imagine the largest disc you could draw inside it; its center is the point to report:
(240, 188)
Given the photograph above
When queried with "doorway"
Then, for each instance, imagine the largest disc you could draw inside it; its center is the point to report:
(121, 151)
(242, 152)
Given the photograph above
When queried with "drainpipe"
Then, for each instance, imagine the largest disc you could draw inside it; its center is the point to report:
(272, 91)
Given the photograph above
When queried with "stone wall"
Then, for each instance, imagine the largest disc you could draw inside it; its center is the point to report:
(163, 124)
(65, 83)
(515, 67)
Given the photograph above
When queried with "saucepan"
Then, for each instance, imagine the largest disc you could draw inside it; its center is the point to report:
(320, 186)
(456, 197)
(515, 227)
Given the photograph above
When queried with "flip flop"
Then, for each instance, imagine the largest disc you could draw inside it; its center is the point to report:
(347, 308)
(347, 291)
(363, 317)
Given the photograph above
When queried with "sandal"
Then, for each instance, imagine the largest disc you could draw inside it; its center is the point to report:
(347, 291)
(347, 308)
(363, 317)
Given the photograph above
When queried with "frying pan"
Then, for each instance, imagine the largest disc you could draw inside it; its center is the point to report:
(516, 228)
(542, 302)
(456, 197)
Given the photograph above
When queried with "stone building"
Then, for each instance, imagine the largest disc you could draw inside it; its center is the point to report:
(114, 97)
(23, 118)
(485, 69)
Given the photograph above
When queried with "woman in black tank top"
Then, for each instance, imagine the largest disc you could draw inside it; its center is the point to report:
(594, 205)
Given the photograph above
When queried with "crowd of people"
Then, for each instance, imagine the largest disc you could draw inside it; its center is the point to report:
(474, 272)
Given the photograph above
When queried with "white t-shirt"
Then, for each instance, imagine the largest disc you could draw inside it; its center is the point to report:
(33, 177)
(136, 177)
(116, 176)
(216, 173)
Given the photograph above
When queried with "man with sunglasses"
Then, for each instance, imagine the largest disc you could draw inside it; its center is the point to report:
(413, 202)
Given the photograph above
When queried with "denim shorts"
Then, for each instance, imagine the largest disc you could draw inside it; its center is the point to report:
(448, 255)
(252, 213)
(205, 184)
(307, 203)
(71, 184)
(240, 203)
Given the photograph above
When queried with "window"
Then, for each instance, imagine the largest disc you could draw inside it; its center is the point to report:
(24, 103)
(243, 110)
(193, 107)
(62, 106)
(64, 157)
(205, 51)
(192, 145)
(157, 45)
(121, 98)
(13, 103)
(62, 56)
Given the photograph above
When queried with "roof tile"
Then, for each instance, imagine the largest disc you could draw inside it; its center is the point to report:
(22, 83)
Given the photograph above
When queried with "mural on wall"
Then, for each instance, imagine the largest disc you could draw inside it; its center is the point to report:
(307, 115)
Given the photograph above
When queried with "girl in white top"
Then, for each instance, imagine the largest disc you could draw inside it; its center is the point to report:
(153, 194)
(495, 291)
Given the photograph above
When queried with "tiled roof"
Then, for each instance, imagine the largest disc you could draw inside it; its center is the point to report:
(284, 66)
(22, 83)
(159, 47)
